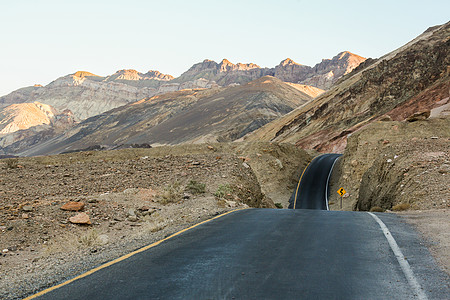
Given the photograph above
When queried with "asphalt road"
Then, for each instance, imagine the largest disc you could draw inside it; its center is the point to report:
(271, 254)
(312, 189)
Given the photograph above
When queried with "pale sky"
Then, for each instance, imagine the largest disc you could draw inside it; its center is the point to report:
(42, 40)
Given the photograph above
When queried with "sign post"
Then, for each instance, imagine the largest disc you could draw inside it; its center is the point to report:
(341, 192)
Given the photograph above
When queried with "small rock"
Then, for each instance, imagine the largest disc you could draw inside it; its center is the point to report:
(131, 212)
(103, 239)
(196, 163)
(92, 201)
(386, 142)
(434, 137)
(279, 163)
(385, 118)
(12, 248)
(354, 163)
(389, 160)
(419, 116)
(73, 206)
(144, 208)
(131, 191)
(210, 147)
(231, 204)
(25, 216)
(245, 165)
(27, 208)
(133, 218)
(81, 218)
(5, 250)
(186, 196)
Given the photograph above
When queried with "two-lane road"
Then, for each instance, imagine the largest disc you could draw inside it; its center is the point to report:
(312, 188)
(270, 254)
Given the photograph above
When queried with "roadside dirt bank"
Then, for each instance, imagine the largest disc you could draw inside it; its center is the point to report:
(126, 199)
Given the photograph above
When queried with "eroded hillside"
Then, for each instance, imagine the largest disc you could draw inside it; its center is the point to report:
(188, 116)
(409, 80)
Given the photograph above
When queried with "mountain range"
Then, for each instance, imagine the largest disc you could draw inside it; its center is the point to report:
(188, 116)
(86, 94)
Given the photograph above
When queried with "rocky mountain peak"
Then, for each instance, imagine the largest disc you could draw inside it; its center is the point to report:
(127, 74)
(82, 74)
(156, 75)
(288, 62)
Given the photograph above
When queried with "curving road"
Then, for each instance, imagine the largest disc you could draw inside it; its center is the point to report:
(312, 188)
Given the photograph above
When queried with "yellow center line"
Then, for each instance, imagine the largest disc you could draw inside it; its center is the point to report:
(124, 257)
(298, 185)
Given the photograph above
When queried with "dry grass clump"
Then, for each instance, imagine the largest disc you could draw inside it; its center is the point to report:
(171, 193)
(401, 206)
(89, 239)
(12, 163)
(223, 190)
(376, 209)
(195, 187)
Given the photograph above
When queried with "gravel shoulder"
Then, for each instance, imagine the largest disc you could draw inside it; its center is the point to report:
(434, 227)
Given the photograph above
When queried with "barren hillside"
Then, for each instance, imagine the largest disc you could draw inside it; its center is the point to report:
(410, 80)
(188, 116)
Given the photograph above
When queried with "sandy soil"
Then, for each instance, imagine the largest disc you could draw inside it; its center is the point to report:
(434, 225)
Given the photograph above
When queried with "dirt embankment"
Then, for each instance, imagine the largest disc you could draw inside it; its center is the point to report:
(131, 198)
(390, 163)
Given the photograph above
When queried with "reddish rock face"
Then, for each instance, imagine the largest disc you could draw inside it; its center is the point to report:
(81, 218)
(73, 206)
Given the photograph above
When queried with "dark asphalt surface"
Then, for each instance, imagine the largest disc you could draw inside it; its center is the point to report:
(271, 254)
(311, 193)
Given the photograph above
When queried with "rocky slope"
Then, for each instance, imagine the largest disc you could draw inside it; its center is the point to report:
(188, 116)
(390, 163)
(20, 121)
(409, 80)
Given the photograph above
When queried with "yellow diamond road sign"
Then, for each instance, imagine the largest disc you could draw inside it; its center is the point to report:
(341, 192)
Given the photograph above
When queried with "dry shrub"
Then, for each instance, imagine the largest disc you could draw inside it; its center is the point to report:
(223, 191)
(401, 206)
(89, 239)
(196, 187)
(376, 209)
(12, 163)
(171, 193)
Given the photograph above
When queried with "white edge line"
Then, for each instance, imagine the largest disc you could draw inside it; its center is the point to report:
(328, 180)
(401, 260)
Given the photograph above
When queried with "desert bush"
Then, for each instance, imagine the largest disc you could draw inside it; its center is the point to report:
(223, 190)
(376, 209)
(12, 163)
(278, 205)
(171, 193)
(400, 207)
(89, 239)
(195, 187)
